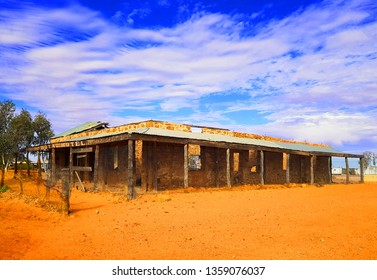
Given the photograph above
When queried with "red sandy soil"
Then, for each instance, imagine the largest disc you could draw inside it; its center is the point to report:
(276, 222)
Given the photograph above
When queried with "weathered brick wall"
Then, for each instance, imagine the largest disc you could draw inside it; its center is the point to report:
(170, 165)
(295, 169)
(248, 168)
(322, 172)
(213, 169)
(165, 162)
(305, 169)
(273, 166)
(217, 131)
(193, 150)
(235, 168)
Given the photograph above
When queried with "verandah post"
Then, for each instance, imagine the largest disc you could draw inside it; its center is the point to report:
(347, 171)
(154, 167)
(287, 175)
(312, 163)
(53, 166)
(361, 170)
(131, 169)
(185, 165)
(96, 166)
(70, 166)
(261, 167)
(228, 183)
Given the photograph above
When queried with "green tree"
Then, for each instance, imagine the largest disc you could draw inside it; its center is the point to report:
(23, 134)
(42, 129)
(7, 145)
(42, 134)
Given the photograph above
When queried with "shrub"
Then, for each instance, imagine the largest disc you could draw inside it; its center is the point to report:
(3, 189)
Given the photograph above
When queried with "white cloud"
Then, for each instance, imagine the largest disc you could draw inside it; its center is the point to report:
(301, 71)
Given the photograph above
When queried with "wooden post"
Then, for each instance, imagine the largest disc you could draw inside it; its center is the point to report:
(86, 176)
(228, 183)
(131, 169)
(96, 168)
(66, 190)
(154, 167)
(312, 160)
(361, 170)
(39, 164)
(53, 166)
(185, 165)
(261, 168)
(81, 185)
(287, 175)
(71, 166)
(217, 167)
(149, 166)
(347, 171)
(330, 169)
(144, 167)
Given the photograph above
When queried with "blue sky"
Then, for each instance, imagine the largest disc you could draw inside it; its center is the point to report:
(303, 70)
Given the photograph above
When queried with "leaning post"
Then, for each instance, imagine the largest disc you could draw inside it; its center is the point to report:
(66, 190)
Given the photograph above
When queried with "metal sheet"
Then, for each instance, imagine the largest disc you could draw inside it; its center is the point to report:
(83, 127)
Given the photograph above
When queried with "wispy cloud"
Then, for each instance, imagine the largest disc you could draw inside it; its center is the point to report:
(312, 74)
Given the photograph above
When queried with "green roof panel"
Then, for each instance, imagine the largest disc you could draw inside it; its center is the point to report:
(81, 128)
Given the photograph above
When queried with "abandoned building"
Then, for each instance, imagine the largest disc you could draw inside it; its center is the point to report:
(157, 155)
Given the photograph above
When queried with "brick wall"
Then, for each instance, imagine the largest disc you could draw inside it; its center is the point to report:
(248, 168)
(295, 167)
(212, 160)
(273, 167)
(163, 161)
(322, 172)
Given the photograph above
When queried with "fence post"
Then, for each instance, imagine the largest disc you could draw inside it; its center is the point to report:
(65, 190)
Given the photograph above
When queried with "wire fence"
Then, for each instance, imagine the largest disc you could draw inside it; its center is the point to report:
(40, 189)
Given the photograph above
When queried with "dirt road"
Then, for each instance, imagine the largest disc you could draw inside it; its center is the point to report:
(301, 222)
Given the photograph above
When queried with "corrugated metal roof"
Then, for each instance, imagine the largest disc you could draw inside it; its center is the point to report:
(214, 138)
(234, 140)
(83, 127)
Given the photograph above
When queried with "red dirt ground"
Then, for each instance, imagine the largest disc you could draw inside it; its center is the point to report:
(275, 222)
